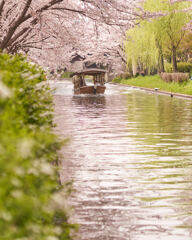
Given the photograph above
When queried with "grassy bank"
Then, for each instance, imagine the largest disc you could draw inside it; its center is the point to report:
(66, 75)
(156, 82)
(31, 206)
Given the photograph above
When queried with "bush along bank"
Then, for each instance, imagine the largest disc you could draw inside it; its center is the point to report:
(32, 206)
(155, 82)
(184, 67)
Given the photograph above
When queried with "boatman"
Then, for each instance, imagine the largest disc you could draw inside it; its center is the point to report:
(95, 84)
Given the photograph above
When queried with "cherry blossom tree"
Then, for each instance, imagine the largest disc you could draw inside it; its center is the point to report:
(25, 22)
(46, 29)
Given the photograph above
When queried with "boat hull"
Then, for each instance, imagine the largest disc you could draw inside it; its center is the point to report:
(90, 90)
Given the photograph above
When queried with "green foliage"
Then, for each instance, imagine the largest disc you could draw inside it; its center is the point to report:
(125, 75)
(137, 46)
(168, 67)
(156, 82)
(185, 48)
(146, 42)
(66, 75)
(117, 80)
(182, 67)
(31, 207)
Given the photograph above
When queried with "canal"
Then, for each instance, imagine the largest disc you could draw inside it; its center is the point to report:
(129, 155)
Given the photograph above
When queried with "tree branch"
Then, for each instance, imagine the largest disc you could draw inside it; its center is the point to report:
(22, 18)
(1, 7)
(15, 25)
(18, 35)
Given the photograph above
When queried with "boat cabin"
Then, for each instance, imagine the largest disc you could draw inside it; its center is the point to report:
(99, 77)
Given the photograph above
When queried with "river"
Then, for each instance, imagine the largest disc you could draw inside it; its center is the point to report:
(129, 155)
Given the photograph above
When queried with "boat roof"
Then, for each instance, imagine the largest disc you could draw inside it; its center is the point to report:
(90, 71)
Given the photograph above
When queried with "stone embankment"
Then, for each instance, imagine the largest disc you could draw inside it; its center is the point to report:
(158, 91)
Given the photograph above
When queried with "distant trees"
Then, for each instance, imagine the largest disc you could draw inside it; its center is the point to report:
(185, 48)
(153, 37)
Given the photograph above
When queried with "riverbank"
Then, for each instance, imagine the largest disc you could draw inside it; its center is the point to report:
(155, 84)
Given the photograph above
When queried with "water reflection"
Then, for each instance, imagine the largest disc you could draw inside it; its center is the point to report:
(163, 135)
(130, 159)
(89, 101)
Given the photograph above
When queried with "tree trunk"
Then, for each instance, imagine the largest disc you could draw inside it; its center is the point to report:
(161, 61)
(1, 7)
(161, 67)
(174, 59)
(15, 25)
(134, 67)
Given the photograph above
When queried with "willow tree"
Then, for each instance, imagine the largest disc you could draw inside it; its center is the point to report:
(164, 30)
(140, 48)
(170, 26)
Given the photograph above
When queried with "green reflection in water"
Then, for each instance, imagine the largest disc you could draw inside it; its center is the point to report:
(149, 199)
(163, 128)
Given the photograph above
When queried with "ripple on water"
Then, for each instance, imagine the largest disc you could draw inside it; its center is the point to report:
(130, 158)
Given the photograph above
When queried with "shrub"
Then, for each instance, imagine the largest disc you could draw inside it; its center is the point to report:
(66, 75)
(182, 67)
(175, 77)
(125, 75)
(117, 80)
(168, 67)
(30, 204)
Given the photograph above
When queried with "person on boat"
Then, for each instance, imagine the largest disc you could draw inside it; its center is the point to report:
(79, 81)
(74, 79)
(96, 83)
(82, 81)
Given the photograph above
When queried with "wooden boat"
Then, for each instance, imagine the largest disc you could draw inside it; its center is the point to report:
(100, 76)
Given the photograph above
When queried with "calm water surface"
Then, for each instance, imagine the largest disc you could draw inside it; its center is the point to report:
(130, 157)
